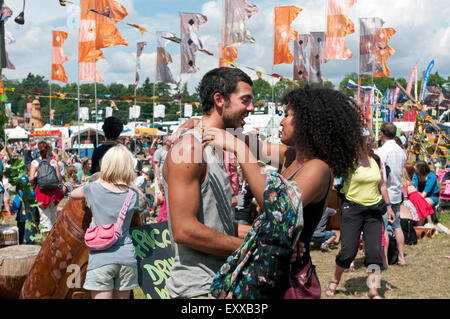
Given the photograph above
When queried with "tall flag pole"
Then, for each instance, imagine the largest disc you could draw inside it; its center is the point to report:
(58, 58)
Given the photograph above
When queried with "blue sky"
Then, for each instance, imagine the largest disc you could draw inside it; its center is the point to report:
(423, 34)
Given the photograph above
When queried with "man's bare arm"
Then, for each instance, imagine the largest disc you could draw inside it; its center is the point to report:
(184, 177)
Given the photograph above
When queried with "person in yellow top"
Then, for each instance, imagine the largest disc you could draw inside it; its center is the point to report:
(366, 200)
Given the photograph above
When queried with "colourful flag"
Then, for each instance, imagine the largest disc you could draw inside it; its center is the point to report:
(140, 48)
(236, 12)
(384, 51)
(284, 33)
(411, 78)
(226, 55)
(163, 58)
(300, 73)
(114, 106)
(316, 57)
(59, 57)
(368, 28)
(190, 42)
(425, 79)
(338, 26)
(97, 31)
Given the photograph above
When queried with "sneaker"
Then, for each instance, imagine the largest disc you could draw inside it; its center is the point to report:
(442, 229)
(324, 247)
(429, 225)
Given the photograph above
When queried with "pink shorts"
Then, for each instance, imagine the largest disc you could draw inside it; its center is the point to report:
(383, 239)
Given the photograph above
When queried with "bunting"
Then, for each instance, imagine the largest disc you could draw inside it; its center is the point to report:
(338, 26)
(236, 12)
(163, 58)
(368, 29)
(284, 33)
(316, 57)
(97, 31)
(59, 57)
(383, 51)
(300, 73)
(190, 42)
(140, 48)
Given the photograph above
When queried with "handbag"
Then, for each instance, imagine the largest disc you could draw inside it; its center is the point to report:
(303, 281)
(104, 236)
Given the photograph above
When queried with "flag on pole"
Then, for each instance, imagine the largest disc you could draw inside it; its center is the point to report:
(425, 79)
(163, 58)
(190, 42)
(338, 26)
(140, 49)
(236, 12)
(59, 57)
(411, 78)
(383, 51)
(284, 33)
(316, 57)
(300, 45)
(97, 31)
(368, 28)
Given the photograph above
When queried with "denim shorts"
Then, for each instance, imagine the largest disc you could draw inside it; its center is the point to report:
(324, 238)
(396, 223)
(112, 277)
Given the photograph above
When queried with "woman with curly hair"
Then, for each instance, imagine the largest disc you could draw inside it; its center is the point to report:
(321, 138)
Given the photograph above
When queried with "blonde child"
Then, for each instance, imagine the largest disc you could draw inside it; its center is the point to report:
(112, 273)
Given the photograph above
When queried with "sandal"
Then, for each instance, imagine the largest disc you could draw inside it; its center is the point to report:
(331, 292)
(374, 296)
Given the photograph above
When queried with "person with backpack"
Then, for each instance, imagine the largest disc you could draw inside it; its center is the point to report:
(45, 175)
(112, 271)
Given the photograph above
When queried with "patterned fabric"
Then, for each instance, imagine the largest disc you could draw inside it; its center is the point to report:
(259, 268)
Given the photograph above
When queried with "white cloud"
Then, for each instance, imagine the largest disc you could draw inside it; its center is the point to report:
(423, 34)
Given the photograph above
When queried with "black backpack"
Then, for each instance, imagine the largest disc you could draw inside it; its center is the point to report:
(46, 175)
(408, 231)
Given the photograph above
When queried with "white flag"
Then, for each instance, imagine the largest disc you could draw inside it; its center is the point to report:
(187, 110)
(159, 111)
(108, 111)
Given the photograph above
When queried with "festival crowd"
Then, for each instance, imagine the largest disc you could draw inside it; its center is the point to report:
(242, 212)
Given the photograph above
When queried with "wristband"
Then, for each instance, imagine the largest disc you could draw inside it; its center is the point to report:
(387, 205)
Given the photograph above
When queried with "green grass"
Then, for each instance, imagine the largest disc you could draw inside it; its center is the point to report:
(427, 275)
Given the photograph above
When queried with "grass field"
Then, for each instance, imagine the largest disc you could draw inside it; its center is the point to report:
(427, 275)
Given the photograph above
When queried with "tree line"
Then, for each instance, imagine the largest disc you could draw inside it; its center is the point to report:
(173, 97)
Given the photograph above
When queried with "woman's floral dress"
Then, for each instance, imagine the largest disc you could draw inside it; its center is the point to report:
(259, 268)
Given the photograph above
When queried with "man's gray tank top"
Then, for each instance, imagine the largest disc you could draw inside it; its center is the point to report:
(193, 271)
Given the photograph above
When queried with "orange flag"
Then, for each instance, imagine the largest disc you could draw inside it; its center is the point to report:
(284, 33)
(99, 31)
(227, 54)
(384, 51)
(59, 57)
(338, 26)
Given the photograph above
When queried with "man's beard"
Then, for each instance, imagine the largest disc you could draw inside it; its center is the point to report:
(231, 120)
